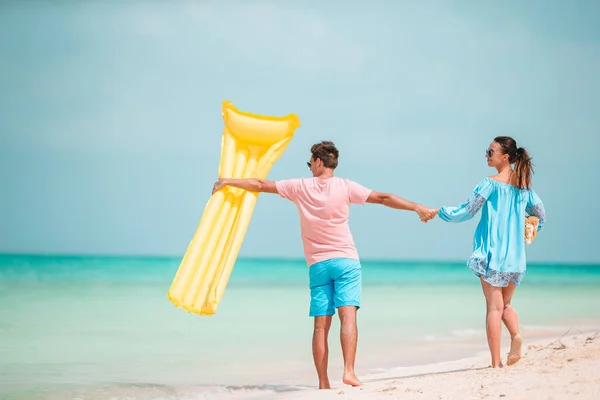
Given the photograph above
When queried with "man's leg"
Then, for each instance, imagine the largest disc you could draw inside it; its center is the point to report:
(322, 309)
(348, 288)
(349, 340)
(321, 349)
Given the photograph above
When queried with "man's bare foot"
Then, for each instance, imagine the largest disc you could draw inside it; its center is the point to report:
(514, 355)
(351, 379)
(324, 384)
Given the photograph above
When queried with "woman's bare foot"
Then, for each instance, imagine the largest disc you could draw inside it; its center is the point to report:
(351, 379)
(514, 355)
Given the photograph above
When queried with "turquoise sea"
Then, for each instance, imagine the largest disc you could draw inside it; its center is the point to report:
(103, 327)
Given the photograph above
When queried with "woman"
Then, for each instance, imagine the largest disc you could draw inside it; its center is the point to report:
(498, 257)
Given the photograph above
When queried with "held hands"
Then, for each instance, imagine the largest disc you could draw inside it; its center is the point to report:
(426, 213)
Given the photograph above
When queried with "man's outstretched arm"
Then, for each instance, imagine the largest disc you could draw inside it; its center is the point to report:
(393, 201)
(250, 184)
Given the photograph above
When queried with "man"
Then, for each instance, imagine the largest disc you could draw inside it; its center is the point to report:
(323, 202)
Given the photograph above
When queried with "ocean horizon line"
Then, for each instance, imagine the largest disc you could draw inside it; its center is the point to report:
(275, 258)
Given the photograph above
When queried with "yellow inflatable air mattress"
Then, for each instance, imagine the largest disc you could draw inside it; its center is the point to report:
(251, 144)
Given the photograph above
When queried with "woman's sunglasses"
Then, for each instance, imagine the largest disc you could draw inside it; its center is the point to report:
(489, 152)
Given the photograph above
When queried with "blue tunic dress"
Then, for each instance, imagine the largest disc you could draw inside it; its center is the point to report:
(499, 243)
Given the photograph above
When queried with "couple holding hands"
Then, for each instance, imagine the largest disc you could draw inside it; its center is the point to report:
(498, 259)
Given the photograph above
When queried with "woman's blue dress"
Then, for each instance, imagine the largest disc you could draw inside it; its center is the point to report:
(499, 242)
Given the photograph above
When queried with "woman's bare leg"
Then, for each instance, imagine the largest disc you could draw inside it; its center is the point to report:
(494, 310)
(510, 317)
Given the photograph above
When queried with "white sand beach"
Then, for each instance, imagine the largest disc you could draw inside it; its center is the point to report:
(559, 368)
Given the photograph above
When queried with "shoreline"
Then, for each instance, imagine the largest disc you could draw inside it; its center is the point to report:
(568, 358)
(551, 365)
(387, 383)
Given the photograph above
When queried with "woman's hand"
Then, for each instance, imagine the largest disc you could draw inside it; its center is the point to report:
(426, 213)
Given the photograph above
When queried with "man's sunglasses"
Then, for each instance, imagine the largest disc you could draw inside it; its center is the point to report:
(309, 164)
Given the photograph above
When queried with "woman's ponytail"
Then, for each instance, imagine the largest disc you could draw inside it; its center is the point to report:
(523, 168)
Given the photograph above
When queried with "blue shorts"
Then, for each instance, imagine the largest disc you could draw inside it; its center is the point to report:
(334, 283)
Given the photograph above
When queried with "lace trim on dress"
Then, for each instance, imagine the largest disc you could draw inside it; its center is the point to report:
(493, 277)
(475, 202)
(537, 210)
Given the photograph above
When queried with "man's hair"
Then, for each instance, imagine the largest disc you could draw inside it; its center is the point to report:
(326, 152)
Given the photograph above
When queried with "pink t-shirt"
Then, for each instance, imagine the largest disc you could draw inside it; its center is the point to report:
(324, 207)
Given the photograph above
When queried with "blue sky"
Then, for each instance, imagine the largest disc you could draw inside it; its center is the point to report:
(111, 126)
